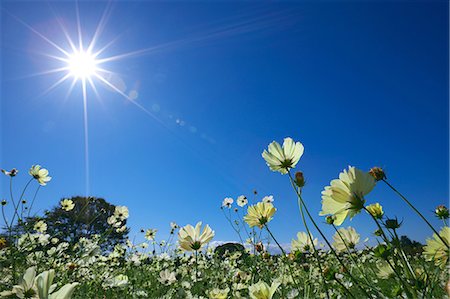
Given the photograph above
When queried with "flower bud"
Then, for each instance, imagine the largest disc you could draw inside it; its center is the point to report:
(377, 173)
(330, 219)
(376, 210)
(299, 179)
(442, 212)
(392, 223)
(378, 233)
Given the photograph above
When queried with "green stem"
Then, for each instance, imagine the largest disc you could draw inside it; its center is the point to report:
(284, 256)
(326, 240)
(417, 211)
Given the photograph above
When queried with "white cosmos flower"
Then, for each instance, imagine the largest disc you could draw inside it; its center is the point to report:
(67, 204)
(242, 201)
(150, 234)
(303, 243)
(40, 174)
(167, 277)
(268, 199)
(282, 159)
(227, 202)
(111, 220)
(347, 237)
(345, 196)
(40, 226)
(191, 239)
(121, 212)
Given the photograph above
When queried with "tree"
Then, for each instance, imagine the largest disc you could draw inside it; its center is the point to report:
(410, 247)
(89, 216)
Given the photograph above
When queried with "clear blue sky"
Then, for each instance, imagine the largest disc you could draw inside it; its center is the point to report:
(360, 84)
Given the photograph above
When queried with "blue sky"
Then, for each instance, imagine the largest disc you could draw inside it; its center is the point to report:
(363, 84)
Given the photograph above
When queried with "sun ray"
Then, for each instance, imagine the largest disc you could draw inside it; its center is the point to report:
(80, 37)
(56, 84)
(86, 136)
(39, 34)
(100, 27)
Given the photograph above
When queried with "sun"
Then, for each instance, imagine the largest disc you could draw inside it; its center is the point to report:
(82, 65)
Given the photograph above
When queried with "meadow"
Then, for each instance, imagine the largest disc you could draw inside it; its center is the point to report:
(37, 260)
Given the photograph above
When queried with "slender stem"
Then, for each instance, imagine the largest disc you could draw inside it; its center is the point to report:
(20, 199)
(196, 265)
(351, 255)
(326, 240)
(345, 289)
(32, 202)
(405, 285)
(417, 211)
(315, 253)
(284, 255)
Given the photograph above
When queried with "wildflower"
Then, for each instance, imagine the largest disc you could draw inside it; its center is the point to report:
(282, 159)
(376, 210)
(191, 239)
(40, 226)
(259, 214)
(111, 220)
(11, 173)
(442, 212)
(67, 204)
(392, 223)
(385, 271)
(262, 290)
(268, 199)
(377, 173)
(121, 212)
(259, 247)
(3, 243)
(118, 281)
(347, 237)
(345, 196)
(40, 286)
(40, 174)
(242, 201)
(150, 234)
(299, 179)
(121, 229)
(436, 250)
(227, 202)
(166, 277)
(303, 243)
(218, 293)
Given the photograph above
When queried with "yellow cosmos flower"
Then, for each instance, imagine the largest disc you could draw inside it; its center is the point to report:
(40, 226)
(376, 210)
(262, 290)
(345, 196)
(40, 174)
(218, 293)
(346, 236)
(436, 250)
(191, 239)
(282, 159)
(259, 214)
(303, 243)
(67, 204)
